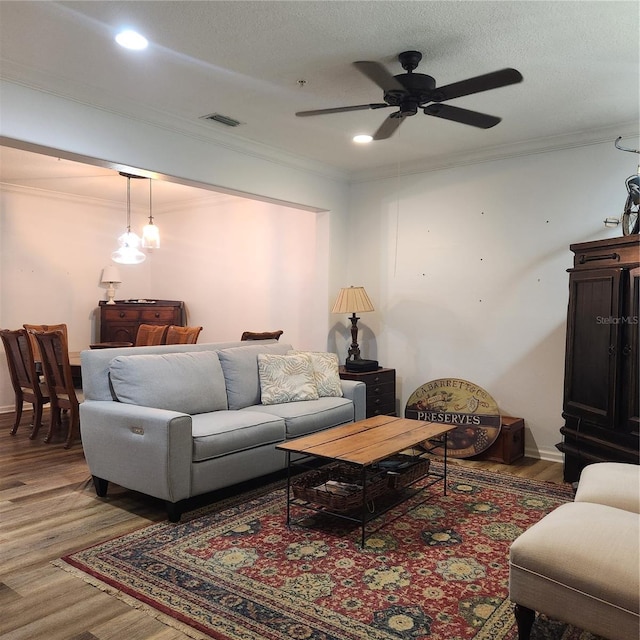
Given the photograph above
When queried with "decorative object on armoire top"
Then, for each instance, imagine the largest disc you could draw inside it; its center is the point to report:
(354, 300)
(111, 276)
(128, 253)
(630, 220)
(150, 232)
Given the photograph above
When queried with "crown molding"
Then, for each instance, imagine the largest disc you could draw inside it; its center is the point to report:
(527, 147)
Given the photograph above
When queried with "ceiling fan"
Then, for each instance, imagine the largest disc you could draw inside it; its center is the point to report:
(412, 91)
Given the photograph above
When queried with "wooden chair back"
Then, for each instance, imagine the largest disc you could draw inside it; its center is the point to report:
(264, 335)
(150, 334)
(59, 380)
(44, 327)
(24, 379)
(182, 335)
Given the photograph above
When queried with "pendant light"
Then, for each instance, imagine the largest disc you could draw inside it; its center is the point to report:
(128, 253)
(150, 232)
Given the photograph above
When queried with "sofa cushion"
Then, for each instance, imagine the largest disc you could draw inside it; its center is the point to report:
(223, 432)
(326, 373)
(310, 416)
(285, 378)
(186, 382)
(240, 368)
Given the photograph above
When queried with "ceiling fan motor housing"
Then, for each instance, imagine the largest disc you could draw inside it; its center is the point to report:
(417, 86)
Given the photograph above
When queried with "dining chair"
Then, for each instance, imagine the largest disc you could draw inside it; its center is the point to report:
(264, 335)
(59, 380)
(27, 385)
(44, 327)
(150, 334)
(182, 335)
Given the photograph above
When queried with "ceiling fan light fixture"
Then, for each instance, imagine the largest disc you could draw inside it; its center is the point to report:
(362, 138)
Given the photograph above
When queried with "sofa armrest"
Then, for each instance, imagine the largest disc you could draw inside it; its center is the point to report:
(356, 391)
(141, 448)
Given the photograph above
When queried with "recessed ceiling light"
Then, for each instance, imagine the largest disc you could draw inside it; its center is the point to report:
(362, 138)
(130, 39)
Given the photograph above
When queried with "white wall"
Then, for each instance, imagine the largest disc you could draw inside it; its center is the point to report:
(238, 264)
(467, 270)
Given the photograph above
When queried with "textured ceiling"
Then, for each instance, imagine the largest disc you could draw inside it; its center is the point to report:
(245, 59)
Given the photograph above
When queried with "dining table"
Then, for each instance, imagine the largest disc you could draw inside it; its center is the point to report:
(76, 365)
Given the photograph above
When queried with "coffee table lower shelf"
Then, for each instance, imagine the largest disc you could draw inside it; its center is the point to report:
(373, 502)
(366, 448)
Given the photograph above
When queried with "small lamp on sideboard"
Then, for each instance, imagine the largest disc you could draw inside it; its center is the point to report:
(353, 300)
(111, 277)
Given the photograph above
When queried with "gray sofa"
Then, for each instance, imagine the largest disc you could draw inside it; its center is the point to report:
(177, 421)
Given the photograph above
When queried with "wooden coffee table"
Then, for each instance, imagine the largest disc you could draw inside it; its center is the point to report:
(364, 444)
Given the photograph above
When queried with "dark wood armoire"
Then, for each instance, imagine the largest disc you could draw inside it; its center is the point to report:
(600, 406)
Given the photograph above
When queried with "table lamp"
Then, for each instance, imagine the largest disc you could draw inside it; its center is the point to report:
(353, 300)
(111, 276)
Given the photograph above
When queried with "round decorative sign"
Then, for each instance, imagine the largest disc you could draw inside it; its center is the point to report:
(463, 404)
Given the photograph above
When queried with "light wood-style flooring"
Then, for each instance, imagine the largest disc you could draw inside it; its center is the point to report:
(48, 508)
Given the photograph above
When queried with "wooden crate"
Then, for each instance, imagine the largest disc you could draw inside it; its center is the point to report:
(509, 446)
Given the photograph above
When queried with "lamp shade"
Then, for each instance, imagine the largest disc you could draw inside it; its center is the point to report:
(352, 300)
(110, 274)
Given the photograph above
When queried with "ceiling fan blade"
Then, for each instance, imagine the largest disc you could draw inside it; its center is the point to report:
(493, 80)
(358, 107)
(464, 116)
(379, 74)
(389, 126)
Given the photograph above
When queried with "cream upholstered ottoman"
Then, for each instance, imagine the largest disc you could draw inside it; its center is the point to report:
(612, 483)
(580, 564)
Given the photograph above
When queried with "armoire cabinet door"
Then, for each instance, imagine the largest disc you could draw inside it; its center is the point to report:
(630, 325)
(592, 370)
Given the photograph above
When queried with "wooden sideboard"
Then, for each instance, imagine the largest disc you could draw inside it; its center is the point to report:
(119, 322)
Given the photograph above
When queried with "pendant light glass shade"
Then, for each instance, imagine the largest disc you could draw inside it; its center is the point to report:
(128, 253)
(150, 232)
(150, 235)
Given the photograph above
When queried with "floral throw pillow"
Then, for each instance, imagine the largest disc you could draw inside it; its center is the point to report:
(285, 378)
(325, 372)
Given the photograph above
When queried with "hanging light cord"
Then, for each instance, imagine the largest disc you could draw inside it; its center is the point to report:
(128, 204)
(150, 203)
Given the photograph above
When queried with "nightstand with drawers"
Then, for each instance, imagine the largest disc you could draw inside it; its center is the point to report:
(381, 389)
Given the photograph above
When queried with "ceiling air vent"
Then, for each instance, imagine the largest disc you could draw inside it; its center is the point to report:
(218, 117)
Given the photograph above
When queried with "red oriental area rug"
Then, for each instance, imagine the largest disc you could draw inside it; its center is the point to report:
(234, 571)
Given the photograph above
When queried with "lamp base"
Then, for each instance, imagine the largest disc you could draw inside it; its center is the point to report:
(360, 366)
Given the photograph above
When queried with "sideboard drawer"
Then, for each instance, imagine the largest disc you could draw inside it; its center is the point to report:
(157, 315)
(120, 315)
